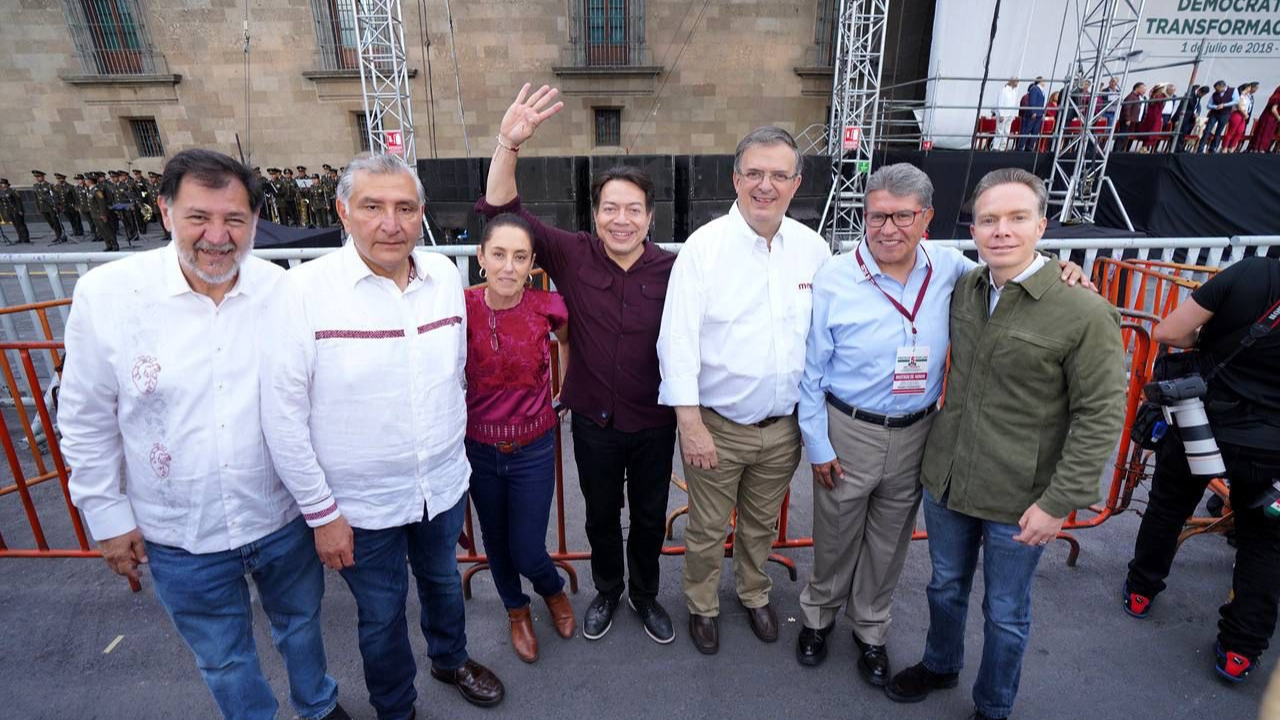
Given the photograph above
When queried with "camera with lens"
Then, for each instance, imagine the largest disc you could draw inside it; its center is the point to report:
(1180, 398)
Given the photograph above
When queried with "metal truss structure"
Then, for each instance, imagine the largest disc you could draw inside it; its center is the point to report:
(1108, 30)
(384, 82)
(855, 102)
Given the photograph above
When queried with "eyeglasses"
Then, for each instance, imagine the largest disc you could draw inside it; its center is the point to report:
(493, 330)
(755, 177)
(901, 218)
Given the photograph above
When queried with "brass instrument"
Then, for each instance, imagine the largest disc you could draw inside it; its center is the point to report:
(302, 212)
(274, 209)
(147, 212)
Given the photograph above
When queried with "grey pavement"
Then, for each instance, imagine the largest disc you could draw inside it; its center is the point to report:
(75, 643)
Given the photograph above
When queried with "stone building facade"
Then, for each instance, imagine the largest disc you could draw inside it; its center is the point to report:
(99, 84)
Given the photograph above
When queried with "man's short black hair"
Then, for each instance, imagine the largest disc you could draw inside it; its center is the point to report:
(1220, 84)
(1138, 85)
(212, 170)
(626, 173)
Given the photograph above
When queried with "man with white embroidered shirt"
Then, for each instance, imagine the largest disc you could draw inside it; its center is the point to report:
(364, 413)
(161, 385)
(731, 351)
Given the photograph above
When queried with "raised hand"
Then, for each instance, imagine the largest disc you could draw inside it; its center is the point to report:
(527, 113)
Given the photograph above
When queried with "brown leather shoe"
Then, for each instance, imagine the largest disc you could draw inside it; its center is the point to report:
(562, 614)
(477, 683)
(705, 633)
(764, 623)
(523, 641)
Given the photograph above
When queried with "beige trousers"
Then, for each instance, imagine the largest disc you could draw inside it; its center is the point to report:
(862, 527)
(753, 474)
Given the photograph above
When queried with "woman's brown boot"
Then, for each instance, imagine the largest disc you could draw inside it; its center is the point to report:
(562, 614)
(523, 640)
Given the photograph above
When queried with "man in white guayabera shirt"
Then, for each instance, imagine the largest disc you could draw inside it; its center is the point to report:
(364, 411)
(159, 417)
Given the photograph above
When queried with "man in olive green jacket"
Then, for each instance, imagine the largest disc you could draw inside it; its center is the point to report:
(1034, 407)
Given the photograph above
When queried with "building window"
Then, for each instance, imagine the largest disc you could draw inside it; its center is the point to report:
(608, 127)
(362, 132)
(337, 46)
(824, 35)
(607, 32)
(111, 37)
(146, 137)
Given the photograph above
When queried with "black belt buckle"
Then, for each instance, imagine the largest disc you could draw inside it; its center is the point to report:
(884, 421)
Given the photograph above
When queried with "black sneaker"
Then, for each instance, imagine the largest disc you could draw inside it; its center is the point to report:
(599, 617)
(916, 682)
(977, 715)
(337, 713)
(657, 624)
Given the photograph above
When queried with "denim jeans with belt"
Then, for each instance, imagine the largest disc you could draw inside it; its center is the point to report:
(207, 597)
(1008, 568)
(379, 581)
(512, 494)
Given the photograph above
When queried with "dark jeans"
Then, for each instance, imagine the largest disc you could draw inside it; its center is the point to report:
(1217, 127)
(1249, 620)
(512, 494)
(379, 582)
(607, 459)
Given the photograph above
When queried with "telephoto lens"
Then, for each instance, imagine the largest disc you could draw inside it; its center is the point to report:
(1184, 410)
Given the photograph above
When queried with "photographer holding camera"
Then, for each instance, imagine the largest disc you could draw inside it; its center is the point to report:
(1229, 321)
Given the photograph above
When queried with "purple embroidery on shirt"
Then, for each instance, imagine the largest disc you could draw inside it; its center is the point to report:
(146, 374)
(161, 460)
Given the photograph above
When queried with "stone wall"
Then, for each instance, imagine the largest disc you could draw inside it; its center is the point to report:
(739, 71)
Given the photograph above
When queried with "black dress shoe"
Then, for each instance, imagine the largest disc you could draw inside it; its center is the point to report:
(811, 646)
(599, 617)
(977, 715)
(477, 683)
(705, 633)
(873, 663)
(764, 623)
(657, 623)
(916, 682)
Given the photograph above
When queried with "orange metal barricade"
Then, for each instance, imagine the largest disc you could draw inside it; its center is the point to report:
(35, 436)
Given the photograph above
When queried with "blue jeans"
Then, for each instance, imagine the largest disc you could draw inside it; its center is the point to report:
(1215, 127)
(1008, 568)
(207, 598)
(379, 581)
(512, 495)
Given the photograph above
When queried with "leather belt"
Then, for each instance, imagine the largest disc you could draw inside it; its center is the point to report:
(506, 447)
(885, 421)
(760, 425)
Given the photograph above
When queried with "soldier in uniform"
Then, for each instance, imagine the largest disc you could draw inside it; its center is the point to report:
(12, 211)
(319, 203)
(142, 197)
(303, 183)
(67, 203)
(122, 204)
(82, 202)
(47, 206)
(331, 193)
(100, 200)
(274, 202)
(289, 191)
(153, 183)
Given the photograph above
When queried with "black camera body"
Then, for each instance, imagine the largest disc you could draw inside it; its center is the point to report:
(1168, 392)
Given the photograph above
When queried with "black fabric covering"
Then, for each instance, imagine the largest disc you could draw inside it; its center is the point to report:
(279, 237)
(1197, 195)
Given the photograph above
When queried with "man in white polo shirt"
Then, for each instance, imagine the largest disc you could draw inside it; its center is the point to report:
(731, 351)
(363, 409)
(159, 420)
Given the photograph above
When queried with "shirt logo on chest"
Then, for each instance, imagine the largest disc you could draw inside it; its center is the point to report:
(161, 461)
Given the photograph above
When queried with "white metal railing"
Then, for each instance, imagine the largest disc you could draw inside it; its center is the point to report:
(38, 277)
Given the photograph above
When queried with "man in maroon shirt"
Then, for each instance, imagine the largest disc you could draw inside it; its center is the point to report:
(614, 283)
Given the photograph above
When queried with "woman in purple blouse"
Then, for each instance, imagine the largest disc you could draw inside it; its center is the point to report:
(511, 440)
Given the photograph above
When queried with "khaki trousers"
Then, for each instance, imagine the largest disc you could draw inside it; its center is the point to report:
(753, 474)
(862, 527)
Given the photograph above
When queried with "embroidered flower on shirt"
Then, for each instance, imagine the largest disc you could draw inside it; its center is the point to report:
(146, 374)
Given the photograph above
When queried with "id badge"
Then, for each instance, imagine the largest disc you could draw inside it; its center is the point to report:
(911, 370)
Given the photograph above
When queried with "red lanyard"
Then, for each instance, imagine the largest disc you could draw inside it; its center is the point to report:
(924, 287)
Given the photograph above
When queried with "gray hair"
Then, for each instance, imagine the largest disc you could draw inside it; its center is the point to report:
(380, 164)
(1014, 176)
(901, 180)
(767, 135)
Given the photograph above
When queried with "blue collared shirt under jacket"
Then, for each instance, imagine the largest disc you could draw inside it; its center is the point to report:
(856, 332)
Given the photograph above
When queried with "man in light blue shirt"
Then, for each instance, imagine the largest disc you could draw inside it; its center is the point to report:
(874, 365)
